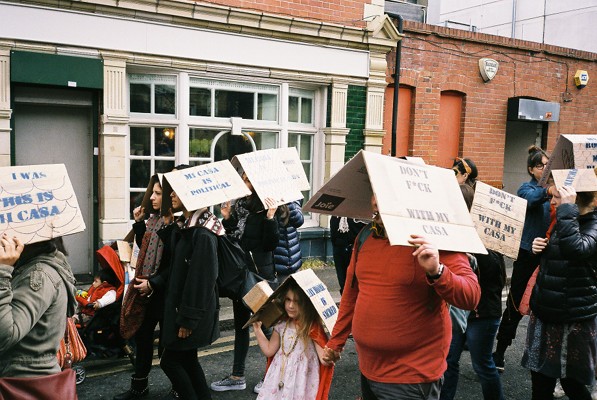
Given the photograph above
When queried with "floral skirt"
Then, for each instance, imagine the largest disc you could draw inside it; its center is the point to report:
(562, 350)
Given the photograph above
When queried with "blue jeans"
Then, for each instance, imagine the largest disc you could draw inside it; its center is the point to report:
(479, 336)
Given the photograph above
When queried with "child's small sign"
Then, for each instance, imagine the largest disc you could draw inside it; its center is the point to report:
(37, 203)
(314, 288)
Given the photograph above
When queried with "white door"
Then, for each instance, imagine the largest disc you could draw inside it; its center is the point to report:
(519, 136)
(54, 127)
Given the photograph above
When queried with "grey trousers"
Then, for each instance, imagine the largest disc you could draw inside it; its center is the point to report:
(393, 391)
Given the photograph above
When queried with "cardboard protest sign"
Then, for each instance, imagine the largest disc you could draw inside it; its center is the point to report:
(412, 198)
(203, 185)
(316, 291)
(268, 175)
(124, 250)
(499, 219)
(582, 180)
(291, 160)
(572, 152)
(37, 203)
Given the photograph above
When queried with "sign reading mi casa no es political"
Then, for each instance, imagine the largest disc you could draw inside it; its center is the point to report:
(37, 203)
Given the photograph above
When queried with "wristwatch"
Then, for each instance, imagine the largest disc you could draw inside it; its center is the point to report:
(439, 273)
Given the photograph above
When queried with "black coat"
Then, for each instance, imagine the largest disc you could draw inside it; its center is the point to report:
(566, 288)
(491, 271)
(192, 298)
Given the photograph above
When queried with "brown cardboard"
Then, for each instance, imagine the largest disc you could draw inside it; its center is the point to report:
(582, 180)
(124, 251)
(412, 198)
(291, 160)
(571, 152)
(37, 203)
(258, 296)
(499, 219)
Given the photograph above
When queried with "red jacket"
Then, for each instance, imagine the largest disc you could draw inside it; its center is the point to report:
(94, 294)
(399, 320)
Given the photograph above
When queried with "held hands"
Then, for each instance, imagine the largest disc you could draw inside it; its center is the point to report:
(271, 207)
(330, 356)
(427, 254)
(539, 244)
(184, 333)
(10, 249)
(139, 213)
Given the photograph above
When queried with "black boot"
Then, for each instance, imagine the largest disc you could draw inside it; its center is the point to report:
(139, 389)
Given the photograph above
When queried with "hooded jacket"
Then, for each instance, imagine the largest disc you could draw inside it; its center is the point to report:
(35, 299)
(566, 287)
(287, 255)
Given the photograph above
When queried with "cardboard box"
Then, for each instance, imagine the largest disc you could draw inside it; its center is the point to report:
(316, 291)
(582, 180)
(37, 203)
(258, 296)
(499, 218)
(571, 152)
(412, 198)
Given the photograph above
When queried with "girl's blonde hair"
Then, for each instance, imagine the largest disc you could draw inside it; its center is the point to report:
(307, 313)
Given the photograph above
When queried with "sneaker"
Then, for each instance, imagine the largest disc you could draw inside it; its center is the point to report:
(257, 387)
(229, 383)
(558, 392)
(498, 360)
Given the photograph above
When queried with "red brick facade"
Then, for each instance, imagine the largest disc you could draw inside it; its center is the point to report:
(436, 59)
(342, 12)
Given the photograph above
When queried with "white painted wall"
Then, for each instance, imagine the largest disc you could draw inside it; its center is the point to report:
(567, 23)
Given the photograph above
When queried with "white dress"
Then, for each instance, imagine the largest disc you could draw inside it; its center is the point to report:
(301, 370)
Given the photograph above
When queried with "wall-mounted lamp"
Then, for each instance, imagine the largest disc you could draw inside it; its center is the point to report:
(168, 133)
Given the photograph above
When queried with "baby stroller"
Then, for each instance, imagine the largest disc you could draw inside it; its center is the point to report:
(101, 333)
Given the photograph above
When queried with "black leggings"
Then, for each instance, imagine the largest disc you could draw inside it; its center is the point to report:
(241, 337)
(543, 387)
(185, 374)
(144, 343)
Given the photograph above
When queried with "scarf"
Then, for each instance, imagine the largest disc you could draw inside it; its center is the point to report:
(207, 220)
(151, 247)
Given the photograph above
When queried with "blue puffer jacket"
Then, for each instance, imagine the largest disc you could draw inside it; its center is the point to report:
(287, 256)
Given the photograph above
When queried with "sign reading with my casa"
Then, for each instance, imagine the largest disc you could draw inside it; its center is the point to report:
(499, 219)
(572, 152)
(268, 175)
(316, 291)
(205, 185)
(37, 203)
(412, 198)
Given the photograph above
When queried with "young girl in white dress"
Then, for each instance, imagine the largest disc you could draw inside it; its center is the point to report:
(294, 371)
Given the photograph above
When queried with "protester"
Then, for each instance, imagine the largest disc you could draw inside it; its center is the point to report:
(535, 225)
(343, 232)
(191, 318)
(287, 255)
(466, 171)
(100, 294)
(563, 326)
(257, 230)
(297, 369)
(37, 292)
(396, 309)
(151, 278)
(481, 325)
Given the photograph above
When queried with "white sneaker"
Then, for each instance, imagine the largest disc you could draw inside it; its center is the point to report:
(558, 392)
(257, 387)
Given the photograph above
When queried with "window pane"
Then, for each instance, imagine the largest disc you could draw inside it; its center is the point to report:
(267, 107)
(140, 173)
(140, 141)
(230, 145)
(165, 99)
(140, 98)
(200, 102)
(163, 166)
(293, 109)
(164, 141)
(234, 104)
(306, 141)
(306, 111)
(200, 142)
(135, 200)
(264, 140)
(293, 140)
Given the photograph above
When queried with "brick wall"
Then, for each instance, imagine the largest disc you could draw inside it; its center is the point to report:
(342, 12)
(435, 59)
(356, 111)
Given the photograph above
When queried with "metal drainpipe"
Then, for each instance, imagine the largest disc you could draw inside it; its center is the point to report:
(396, 82)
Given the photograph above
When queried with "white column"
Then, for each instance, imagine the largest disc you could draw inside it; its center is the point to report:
(376, 86)
(5, 111)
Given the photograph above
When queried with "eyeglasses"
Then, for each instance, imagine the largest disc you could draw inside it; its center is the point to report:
(540, 166)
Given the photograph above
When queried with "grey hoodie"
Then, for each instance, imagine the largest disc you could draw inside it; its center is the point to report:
(34, 301)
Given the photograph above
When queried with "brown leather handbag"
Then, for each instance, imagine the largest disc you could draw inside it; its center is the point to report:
(60, 386)
(72, 349)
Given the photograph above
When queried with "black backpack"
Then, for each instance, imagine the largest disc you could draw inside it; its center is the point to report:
(231, 268)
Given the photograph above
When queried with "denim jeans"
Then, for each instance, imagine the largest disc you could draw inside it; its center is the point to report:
(479, 336)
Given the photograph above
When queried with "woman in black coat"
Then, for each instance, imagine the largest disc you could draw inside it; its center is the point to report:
(563, 326)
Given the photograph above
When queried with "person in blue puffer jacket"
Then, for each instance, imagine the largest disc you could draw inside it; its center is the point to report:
(287, 255)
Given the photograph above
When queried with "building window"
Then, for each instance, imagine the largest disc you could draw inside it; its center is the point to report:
(152, 94)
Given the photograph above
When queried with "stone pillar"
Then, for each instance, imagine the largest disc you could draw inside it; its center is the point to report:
(376, 86)
(114, 203)
(5, 110)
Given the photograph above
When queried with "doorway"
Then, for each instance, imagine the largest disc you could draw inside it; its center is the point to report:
(55, 126)
(519, 136)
